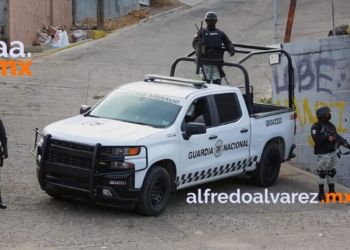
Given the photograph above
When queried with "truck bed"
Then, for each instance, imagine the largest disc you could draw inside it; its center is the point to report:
(264, 109)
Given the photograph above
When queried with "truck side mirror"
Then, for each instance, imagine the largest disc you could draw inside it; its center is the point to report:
(84, 109)
(193, 128)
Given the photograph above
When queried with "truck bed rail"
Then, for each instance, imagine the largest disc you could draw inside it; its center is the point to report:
(250, 53)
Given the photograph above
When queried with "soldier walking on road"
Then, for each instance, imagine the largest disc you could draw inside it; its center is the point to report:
(3, 155)
(213, 40)
(325, 148)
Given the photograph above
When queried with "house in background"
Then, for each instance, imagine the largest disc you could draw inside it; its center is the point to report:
(21, 19)
(3, 20)
(112, 8)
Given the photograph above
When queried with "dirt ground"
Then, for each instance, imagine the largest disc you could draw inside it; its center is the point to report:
(112, 24)
(62, 81)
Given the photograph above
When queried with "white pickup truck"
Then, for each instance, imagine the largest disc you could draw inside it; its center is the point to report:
(147, 139)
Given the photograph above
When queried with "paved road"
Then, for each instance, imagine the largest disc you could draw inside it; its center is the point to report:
(58, 88)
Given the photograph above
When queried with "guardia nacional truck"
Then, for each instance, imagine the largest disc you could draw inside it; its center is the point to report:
(137, 146)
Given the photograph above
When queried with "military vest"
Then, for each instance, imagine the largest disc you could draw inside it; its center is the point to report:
(213, 43)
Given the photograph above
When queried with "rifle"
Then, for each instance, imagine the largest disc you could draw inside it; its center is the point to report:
(339, 140)
(200, 48)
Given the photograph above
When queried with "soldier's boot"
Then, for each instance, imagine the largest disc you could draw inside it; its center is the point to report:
(332, 173)
(321, 195)
(331, 191)
(2, 204)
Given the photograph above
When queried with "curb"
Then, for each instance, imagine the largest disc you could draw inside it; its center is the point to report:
(163, 13)
(193, 5)
(69, 46)
(50, 52)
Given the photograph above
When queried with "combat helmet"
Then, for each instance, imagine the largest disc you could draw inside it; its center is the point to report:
(322, 111)
(211, 16)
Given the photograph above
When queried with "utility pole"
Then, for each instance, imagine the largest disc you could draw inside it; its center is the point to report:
(100, 15)
(275, 22)
(333, 18)
(290, 20)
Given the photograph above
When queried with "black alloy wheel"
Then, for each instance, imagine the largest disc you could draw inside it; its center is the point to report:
(268, 168)
(157, 192)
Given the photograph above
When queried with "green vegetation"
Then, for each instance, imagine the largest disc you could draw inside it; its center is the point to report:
(266, 100)
(97, 97)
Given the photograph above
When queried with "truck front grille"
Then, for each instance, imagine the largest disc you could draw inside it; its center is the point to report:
(70, 154)
(69, 160)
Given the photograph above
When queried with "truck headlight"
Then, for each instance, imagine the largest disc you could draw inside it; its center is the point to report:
(126, 151)
(122, 165)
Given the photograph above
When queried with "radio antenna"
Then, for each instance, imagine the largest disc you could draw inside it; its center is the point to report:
(87, 92)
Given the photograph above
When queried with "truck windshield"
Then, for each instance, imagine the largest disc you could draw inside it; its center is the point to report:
(138, 109)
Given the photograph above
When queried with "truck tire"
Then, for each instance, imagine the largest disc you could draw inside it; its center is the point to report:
(267, 171)
(53, 194)
(155, 193)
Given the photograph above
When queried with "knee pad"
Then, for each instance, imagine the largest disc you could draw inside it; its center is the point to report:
(322, 173)
(332, 172)
(217, 81)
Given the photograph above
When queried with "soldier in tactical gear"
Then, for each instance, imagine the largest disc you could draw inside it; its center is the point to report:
(3, 154)
(213, 40)
(325, 148)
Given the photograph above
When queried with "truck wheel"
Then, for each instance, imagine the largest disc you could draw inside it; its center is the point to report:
(155, 192)
(268, 169)
(53, 194)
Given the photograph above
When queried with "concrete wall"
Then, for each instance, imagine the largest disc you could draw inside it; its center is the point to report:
(112, 8)
(322, 76)
(27, 16)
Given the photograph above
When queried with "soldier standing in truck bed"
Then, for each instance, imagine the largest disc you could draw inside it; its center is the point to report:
(213, 41)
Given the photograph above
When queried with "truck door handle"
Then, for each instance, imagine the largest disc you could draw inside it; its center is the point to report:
(213, 137)
(244, 130)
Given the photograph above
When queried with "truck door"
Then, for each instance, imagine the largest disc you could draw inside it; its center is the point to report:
(232, 129)
(198, 158)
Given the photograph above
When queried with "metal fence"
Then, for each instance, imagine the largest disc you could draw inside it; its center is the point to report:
(313, 19)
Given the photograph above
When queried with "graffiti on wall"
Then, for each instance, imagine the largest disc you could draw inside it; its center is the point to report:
(312, 79)
(312, 75)
(306, 114)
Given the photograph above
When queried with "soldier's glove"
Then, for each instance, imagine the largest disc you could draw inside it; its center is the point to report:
(232, 51)
(5, 154)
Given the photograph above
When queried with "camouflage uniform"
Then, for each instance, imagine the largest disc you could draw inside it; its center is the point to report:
(211, 72)
(325, 149)
(326, 162)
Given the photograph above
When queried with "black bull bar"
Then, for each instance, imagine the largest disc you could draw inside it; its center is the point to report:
(93, 174)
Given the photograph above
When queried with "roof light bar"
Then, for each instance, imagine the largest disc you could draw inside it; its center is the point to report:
(177, 80)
